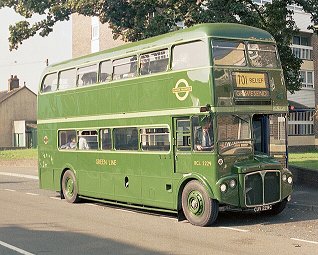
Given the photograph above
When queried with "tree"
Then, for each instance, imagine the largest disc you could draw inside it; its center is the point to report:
(134, 20)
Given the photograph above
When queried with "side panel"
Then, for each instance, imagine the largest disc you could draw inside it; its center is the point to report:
(46, 156)
(157, 186)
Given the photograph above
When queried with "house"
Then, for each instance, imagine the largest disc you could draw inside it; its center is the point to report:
(18, 115)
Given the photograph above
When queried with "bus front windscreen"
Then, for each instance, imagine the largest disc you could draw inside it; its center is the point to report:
(234, 134)
(233, 53)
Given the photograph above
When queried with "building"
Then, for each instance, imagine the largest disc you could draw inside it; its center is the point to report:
(89, 35)
(18, 114)
(302, 125)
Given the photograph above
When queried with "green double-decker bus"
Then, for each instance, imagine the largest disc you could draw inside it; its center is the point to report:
(190, 122)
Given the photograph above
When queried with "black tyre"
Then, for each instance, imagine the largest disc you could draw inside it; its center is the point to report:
(277, 208)
(69, 187)
(198, 207)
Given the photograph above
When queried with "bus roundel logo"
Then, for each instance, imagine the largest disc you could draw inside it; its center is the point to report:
(182, 89)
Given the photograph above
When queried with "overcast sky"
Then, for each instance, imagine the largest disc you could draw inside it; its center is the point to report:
(28, 62)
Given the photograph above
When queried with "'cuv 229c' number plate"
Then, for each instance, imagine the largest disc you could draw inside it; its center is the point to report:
(262, 208)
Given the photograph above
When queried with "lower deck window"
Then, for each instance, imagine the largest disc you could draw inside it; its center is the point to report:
(106, 139)
(67, 140)
(87, 140)
(126, 138)
(155, 139)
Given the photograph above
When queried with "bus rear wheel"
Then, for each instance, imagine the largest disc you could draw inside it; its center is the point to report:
(69, 187)
(198, 207)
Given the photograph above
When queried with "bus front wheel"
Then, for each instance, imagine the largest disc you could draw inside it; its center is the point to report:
(69, 187)
(198, 207)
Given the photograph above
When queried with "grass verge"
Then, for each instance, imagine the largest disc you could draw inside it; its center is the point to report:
(19, 154)
(304, 159)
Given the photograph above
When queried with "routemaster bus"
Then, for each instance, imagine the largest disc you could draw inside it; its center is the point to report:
(190, 122)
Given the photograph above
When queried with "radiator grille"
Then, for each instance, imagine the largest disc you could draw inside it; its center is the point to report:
(262, 188)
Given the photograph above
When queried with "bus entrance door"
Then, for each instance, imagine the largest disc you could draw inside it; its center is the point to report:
(260, 133)
(182, 145)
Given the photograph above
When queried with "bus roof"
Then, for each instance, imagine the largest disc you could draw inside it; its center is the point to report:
(218, 30)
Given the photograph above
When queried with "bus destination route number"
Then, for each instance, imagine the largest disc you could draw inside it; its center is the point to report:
(249, 80)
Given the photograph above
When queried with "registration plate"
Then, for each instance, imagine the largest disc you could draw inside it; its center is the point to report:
(262, 208)
(249, 80)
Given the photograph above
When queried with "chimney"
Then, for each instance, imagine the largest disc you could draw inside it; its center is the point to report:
(13, 83)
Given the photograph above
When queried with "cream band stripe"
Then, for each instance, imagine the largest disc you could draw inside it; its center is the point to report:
(122, 116)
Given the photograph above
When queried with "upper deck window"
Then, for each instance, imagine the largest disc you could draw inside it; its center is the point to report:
(125, 68)
(87, 75)
(67, 79)
(262, 55)
(154, 62)
(190, 55)
(49, 83)
(229, 53)
(106, 71)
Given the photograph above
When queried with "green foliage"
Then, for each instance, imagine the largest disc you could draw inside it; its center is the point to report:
(133, 20)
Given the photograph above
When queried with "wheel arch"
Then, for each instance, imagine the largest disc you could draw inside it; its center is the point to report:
(185, 180)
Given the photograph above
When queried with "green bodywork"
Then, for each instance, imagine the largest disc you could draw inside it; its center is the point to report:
(156, 179)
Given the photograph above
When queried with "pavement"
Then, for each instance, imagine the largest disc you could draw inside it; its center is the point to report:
(305, 195)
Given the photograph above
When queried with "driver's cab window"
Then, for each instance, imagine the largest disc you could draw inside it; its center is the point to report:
(202, 133)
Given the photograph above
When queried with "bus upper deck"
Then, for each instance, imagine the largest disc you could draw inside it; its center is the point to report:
(208, 65)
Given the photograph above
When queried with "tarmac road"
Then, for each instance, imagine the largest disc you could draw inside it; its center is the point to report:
(34, 221)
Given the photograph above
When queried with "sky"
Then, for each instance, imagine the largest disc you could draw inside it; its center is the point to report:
(29, 60)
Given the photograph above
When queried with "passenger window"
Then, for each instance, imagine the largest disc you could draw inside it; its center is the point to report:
(183, 135)
(87, 75)
(155, 139)
(125, 68)
(67, 79)
(229, 53)
(126, 138)
(154, 62)
(106, 139)
(106, 70)
(190, 55)
(87, 140)
(49, 83)
(67, 140)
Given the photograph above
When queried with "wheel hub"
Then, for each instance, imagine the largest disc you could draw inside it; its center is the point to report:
(196, 203)
(69, 187)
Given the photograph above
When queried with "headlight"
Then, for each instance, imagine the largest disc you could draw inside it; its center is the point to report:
(284, 178)
(290, 180)
(233, 184)
(223, 187)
